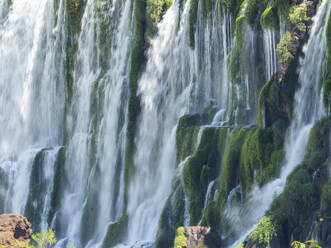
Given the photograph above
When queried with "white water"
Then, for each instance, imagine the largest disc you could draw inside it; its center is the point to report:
(31, 100)
(270, 42)
(177, 81)
(306, 113)
(168, 92)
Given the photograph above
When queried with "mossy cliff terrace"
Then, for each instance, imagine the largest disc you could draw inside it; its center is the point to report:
(167, 123)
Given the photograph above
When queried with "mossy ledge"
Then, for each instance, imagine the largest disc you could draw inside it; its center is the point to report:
(305, 196)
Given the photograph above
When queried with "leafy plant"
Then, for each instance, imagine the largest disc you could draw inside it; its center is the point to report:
(298, 15)
(44, 239)
(264, 232)
(282, 48)
(309, 243)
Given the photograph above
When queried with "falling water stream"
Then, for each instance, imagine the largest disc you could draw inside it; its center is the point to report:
(306, 113)
(40, 127)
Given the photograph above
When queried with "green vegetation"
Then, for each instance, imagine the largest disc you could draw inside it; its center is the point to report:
(233, 6)
(193, 16)
(201, 168)
(283, 8)
(282, 48)
(180, 240)
(154, 11)
(172, 217)
(307, 244)
(264, 233)
(115, 232)
(252, 10)
(44, 239)
(326, 199)
(186, 135)
(298, 16)
(230, 166)
(269, 18)
(137, 61)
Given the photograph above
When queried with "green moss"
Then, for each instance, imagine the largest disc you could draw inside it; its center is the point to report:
(9, 3)
(264, 233)
(327, 78)
(282, 48)
(115, 232)
(201, 169)
(230, 166)
(239, 58)
(211, 216)
(186, 135)
(193, 16)
(273, 104)
(252, 10)
(171, 218)
(318, 144)
(298, 16)
(283, 8)
(154, 11)
(326, 199)
(75, 11)
(298, 199)
(262, 154)
(36, 191)
(60, 182)
(232, 5)
(137, 62)
(269, 19)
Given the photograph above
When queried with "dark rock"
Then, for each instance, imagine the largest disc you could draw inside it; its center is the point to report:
(14, 228)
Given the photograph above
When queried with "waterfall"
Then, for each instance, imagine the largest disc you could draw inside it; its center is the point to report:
(64, 100)
(97, 193)
(168, 92)
(306, 113)
(31, 111)
(270, 42)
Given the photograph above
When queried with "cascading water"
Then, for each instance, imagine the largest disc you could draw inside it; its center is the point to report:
(167, 93)
(31, 98)
(269, 38)
(306, 113)
(62, 161)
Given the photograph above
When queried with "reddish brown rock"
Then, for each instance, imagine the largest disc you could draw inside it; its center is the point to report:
(201, 237)
(14, 227)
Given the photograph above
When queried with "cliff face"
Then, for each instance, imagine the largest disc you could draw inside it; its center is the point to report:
(125, 120)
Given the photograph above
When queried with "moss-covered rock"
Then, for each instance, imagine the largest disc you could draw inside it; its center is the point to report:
(203, 167)
(186, 135)
(326, 200)
(264, 233)
(60, 182)
(269, 19)
(172, 217)
(115, 232)
(230, 167)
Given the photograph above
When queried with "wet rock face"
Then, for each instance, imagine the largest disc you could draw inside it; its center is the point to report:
(14, 227)
(200, 236)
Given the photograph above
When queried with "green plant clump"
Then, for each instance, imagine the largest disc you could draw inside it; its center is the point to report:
(180, 240)
(282, 48)
(264, 233)
(298, 16)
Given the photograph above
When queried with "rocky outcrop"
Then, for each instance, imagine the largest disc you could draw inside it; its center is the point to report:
(298, 38)
(14, 228)
(200, 236)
